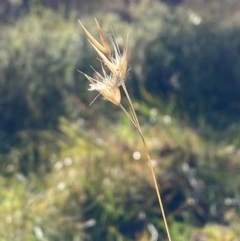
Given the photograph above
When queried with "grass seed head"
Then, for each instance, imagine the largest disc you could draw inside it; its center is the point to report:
(108, 85)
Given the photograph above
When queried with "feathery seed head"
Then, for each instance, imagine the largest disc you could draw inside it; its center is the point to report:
(119, 60)
(108, 85)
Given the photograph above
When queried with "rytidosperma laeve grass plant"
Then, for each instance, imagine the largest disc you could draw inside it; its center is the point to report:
(108, 86)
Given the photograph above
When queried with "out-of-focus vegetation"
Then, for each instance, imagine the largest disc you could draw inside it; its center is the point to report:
(73, 172)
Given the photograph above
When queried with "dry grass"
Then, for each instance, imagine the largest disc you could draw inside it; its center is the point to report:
(108, 86)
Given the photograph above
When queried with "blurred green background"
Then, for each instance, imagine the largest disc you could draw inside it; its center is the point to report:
(70, 172)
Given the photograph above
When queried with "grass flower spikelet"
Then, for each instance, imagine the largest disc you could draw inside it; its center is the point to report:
(108, 85)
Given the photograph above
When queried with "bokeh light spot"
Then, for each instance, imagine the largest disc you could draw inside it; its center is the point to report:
(153, 163)
(9, 219)
(67, 161)
(61, 186)
(58, 165)
(152, 120)
(153, 112)
(10, 168)
(167, 119)
(136, 155)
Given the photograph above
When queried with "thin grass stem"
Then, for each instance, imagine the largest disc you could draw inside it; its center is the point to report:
(157, 189)
(138, 127)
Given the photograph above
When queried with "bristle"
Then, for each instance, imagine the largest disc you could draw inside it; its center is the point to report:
(103, 39)
(104, 48)
(106, 61)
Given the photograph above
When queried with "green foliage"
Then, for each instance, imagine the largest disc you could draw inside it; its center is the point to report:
(39, 58)
(97, 188)
(74, 177)
(38, 63)
(199, 65)
(181, 231)
(32, 210)
(118, 191)
(174, 57)
(213, 232)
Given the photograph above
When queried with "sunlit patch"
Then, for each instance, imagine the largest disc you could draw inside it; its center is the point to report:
(61, 186)
(38, 232)
(153, 231)
(108, 183)
(90, 223)
(58, 165)
(116, 172)
(230, 149)
(153, 112)
(10, 168)
(72, 173)
(194, 18)
(228, 201)
(155, 141)
(80, 121)
(142, 215)
(185, 167)
(21, 178)
(231, 201)
(30, 201)
(191, 201)
(99, 141)
(136, 155)
(9, 219)
(167, 119)
(67, 161)
(153, 163)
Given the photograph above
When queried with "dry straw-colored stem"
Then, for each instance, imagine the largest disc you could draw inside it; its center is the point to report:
(108, 87)
(137, 125)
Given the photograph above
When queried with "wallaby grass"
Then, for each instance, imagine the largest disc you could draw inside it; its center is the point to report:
(108, 87)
